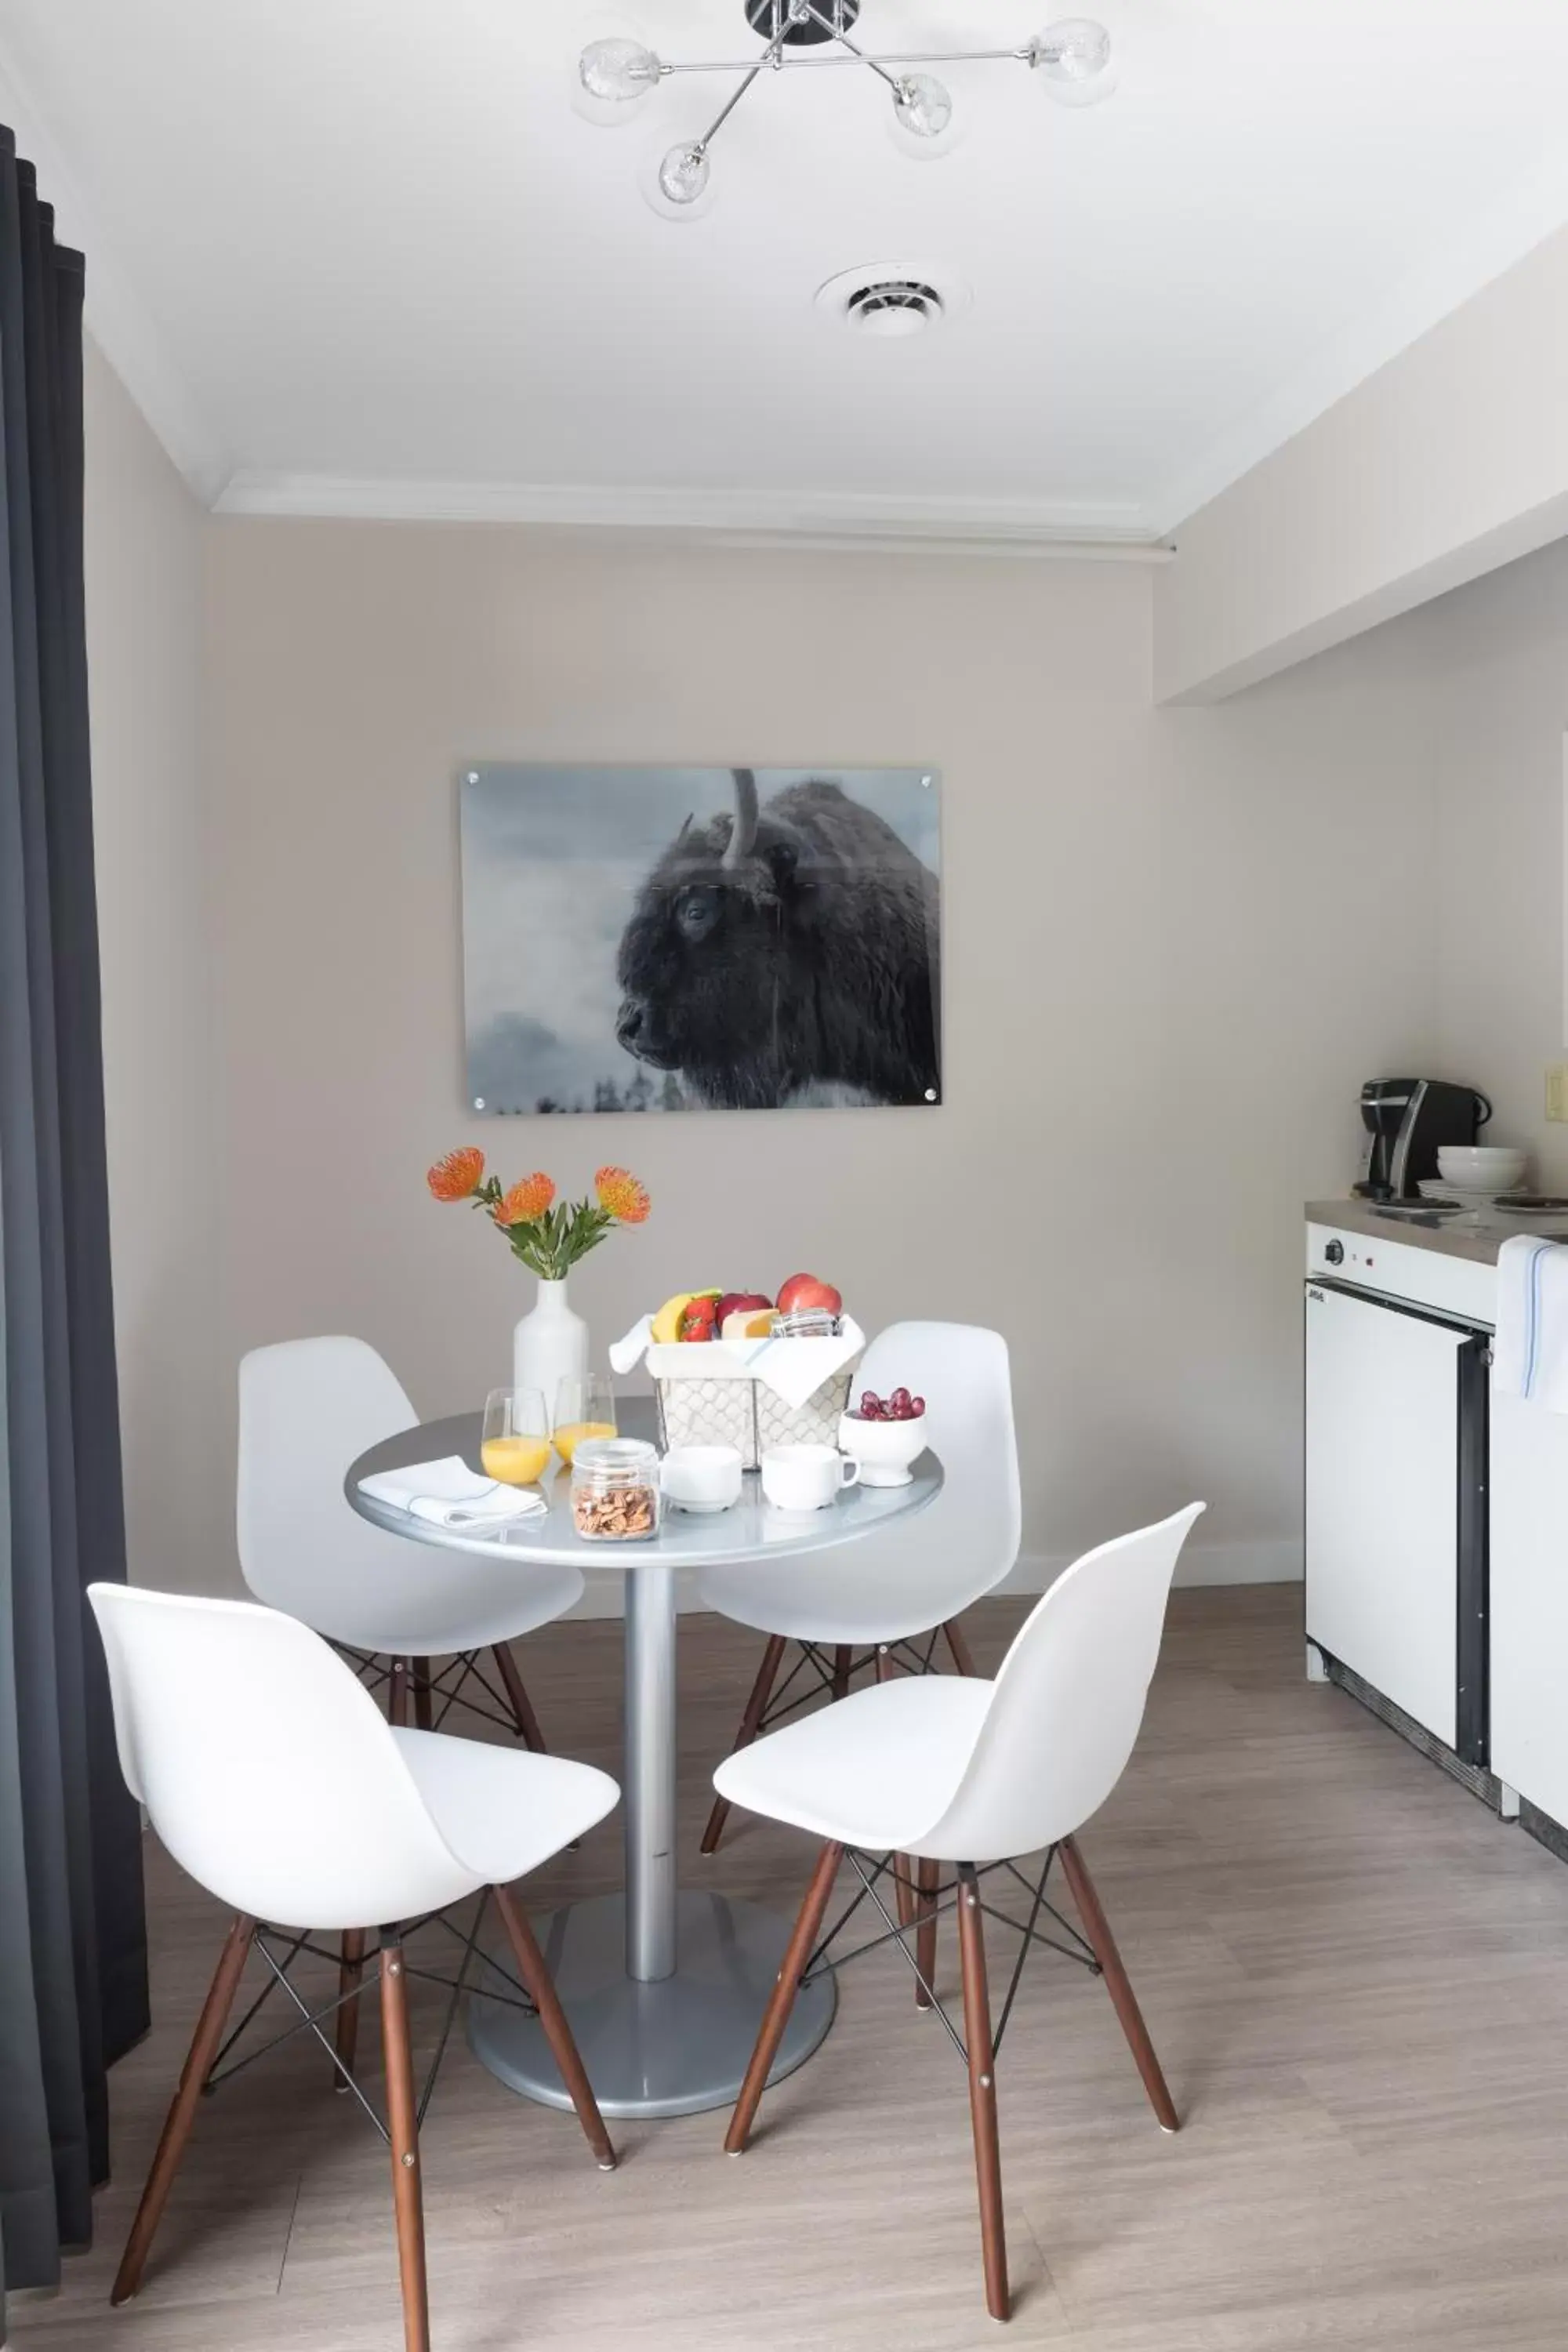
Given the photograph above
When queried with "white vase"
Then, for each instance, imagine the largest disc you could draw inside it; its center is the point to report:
(549, 1345)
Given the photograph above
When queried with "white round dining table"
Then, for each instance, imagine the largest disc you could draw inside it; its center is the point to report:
(665, 1987)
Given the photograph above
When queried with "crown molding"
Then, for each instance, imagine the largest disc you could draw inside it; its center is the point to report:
(1533, 209)
(735, 517)
(115, 315)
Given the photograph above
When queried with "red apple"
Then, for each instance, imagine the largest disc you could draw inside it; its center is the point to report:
(741, 1302)
(803, 1290)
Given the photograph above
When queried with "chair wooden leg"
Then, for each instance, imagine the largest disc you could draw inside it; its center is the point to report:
(750, 1723)
(518, 1699)
(421, 1681)
(1103, 1944)
(843, 1657)
(182, 2112)
(351, 1975)
(902, 1890)
(925, 1934)
(397, 1692)
(983, 2093)
(540, 1985)
(402, 2130)
(956, 1642)
(775, 2017)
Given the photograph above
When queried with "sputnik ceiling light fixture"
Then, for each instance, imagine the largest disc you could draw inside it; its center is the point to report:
(1070, 60)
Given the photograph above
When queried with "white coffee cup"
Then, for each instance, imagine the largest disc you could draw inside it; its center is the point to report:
(701, 1478)
(806, 1477)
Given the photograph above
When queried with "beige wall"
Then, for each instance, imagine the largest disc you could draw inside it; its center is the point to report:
(1174, 944)
(1500, 650)
(143, 577)
(1449, 461)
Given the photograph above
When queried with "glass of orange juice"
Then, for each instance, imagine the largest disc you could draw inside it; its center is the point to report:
(516, 1444)
(583, 1408)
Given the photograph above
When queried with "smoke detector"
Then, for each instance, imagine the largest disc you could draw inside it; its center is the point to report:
(892, 299)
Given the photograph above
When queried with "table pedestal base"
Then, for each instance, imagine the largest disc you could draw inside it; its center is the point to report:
(677, 2047)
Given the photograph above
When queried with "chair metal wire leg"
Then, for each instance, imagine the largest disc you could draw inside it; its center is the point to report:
(397, 1692)
(1104, 1943)
(983, 2093)
(403, 2132)
(843, 1657)
(351, 1975)
(792, 1967)
(751, 1721)
(517, 1700)
(182, 2112)
(540, 1987)
(421, 1680)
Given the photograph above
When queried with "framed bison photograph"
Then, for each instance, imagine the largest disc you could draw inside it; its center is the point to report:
(700, 938)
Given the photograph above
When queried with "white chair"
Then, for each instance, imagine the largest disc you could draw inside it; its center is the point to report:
(308, 1408)
(270, 1774)
(971, 1774)
(887, 1593)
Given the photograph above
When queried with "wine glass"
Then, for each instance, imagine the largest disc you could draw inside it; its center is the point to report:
(516, 1444)
(583, 1408)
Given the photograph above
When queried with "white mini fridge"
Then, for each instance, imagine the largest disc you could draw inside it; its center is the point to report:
(1396, 1524)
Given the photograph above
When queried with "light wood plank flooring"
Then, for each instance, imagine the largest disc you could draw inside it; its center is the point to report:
(1357, 1979)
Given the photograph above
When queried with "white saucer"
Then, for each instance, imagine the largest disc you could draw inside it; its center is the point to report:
(678, 1503)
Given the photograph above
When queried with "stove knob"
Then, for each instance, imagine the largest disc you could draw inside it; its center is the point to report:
(1335, 1252)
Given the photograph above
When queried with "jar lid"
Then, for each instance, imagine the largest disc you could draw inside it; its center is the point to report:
(615, 1458)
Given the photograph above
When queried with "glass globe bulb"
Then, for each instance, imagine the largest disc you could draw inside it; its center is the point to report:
(922, 105)
(618, 72)
(1073, 60)
(683, 174)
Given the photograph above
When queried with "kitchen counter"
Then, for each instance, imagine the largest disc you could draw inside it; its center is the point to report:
(1479, 1244)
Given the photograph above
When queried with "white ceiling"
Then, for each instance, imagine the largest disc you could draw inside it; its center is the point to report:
(365, 256)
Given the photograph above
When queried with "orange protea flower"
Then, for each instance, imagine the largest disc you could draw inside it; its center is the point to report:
(529, 1199)
(620, 1193)
(458, 1176)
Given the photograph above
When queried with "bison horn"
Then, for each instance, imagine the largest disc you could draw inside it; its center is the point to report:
(743, 830)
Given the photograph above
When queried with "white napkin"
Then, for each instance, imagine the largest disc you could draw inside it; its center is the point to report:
(794, 1369)
(450, 1495)
(1530, 1352)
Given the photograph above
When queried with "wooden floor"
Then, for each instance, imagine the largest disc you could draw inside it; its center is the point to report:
(1357, 1979)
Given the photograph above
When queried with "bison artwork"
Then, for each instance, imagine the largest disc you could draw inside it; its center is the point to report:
(787, 952)
(675, 939)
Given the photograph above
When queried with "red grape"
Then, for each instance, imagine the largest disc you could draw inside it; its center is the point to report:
(917, 1406)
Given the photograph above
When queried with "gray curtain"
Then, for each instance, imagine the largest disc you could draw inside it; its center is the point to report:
(73, 1985)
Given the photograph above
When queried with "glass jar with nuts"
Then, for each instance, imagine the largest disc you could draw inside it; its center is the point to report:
(615, 1489)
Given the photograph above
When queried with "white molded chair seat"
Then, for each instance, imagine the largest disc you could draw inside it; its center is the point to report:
(307, 1409)
(927, 1569)
(973, 1774)
(874, 1772)
(502, 1811)
(272, 1778)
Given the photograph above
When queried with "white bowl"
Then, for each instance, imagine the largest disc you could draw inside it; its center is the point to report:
(1493, 1164)
(884, 1449)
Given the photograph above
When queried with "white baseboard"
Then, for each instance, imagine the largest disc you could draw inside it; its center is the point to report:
(1276, 1561)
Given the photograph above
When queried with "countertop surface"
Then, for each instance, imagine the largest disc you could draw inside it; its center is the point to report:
(1478, 1243)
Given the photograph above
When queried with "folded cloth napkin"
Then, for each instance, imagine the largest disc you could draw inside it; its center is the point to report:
(450, 1495)
(794, 1369)
(1530, 1352)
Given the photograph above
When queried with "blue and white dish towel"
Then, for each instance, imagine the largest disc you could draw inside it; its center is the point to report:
(1530, 1354)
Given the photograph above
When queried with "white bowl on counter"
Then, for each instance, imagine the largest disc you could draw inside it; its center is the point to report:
(884, 1449)
(1497, 1167)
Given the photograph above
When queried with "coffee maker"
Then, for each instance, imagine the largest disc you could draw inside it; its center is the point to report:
(1407, 1121)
